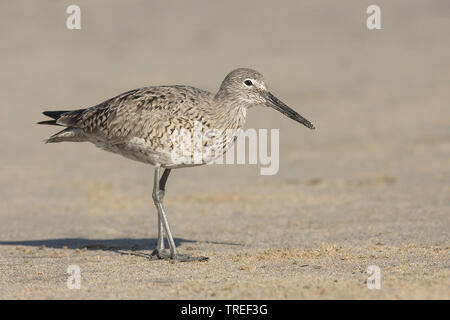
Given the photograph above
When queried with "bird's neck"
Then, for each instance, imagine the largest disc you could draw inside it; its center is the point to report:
(230, 114)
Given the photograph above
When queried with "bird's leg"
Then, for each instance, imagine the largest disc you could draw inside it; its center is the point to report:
(160, 244)
(159, 187)
(163, 224)
(162, 187)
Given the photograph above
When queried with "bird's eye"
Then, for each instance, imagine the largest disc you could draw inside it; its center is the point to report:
(248, 82)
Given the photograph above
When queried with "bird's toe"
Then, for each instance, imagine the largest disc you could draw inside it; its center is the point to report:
(165, 255)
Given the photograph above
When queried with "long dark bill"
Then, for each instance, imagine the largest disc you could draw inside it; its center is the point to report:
(278, 105)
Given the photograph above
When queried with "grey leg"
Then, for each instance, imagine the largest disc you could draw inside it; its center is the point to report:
(158, 196)
(159, 187)
(162, 187)
(160, 244)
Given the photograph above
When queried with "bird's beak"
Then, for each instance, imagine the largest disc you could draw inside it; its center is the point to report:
(278, 105)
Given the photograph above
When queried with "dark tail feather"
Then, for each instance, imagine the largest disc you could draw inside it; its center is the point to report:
(54, 115)
(49, 122)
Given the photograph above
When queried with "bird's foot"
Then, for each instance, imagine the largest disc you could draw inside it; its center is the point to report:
(165, 255)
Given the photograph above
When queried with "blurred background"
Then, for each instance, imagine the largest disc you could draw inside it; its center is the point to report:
(375, 170)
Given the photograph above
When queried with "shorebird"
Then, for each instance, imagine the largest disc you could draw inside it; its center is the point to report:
(138, 124)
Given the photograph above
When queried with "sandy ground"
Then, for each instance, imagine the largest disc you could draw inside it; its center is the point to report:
(370, 186)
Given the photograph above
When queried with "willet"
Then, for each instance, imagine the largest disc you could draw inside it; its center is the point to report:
(138, 124)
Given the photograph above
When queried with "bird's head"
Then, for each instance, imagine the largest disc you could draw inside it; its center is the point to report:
(248, 87)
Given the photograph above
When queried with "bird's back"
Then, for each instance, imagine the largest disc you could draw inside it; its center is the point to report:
(140, 113)
(139, 124)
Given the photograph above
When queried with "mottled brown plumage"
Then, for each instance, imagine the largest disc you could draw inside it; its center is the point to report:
(141, 124)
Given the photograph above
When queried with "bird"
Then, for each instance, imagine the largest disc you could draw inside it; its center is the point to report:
(140, 125)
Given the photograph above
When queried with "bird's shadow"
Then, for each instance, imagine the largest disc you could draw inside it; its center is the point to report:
(128, 246)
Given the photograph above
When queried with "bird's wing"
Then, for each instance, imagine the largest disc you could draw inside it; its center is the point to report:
(139, 113)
